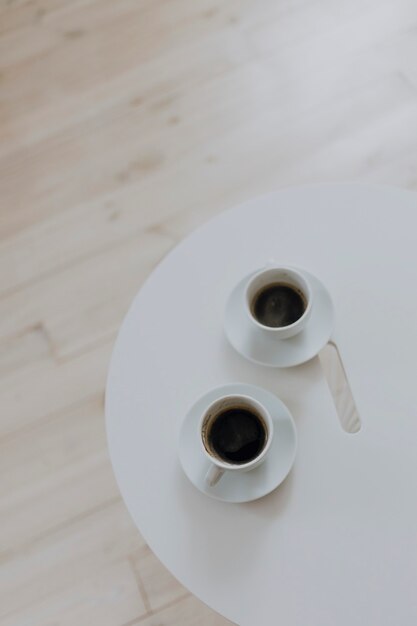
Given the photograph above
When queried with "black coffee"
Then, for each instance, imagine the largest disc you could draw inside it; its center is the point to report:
(278, 305)
(237, 435)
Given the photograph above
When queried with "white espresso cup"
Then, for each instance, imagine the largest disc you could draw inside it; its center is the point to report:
(236, 434)
(299, 290)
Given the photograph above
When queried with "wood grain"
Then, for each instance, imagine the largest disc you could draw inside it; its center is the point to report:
(124, 125)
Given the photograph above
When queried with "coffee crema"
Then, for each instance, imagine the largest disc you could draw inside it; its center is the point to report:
(237, 435)
(278, 304)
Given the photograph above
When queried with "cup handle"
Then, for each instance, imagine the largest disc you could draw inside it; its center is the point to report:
(213, 475)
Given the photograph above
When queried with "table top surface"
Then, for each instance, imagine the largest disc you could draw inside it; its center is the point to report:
(336, 543)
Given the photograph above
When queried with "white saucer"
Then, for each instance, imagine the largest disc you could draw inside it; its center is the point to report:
(245, 486)
(254, 345)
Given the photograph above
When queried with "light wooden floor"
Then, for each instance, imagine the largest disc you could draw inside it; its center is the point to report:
(123, 125)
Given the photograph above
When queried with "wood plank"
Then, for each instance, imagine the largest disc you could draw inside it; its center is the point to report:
(84, 304)
(25, 347)
(102, 20)
(129, 92)
(187, 612)
(50, 446)
(138, 140)
(136, 204)
(160, 586)
(55, 243)
(61, 559)
(45, 388)
(23, 98)
(22, 13)
(109, 71)
(350, 136)
(109, 597)
(151, 194)
(382, 151)
(103, 294)
(53, 473)
(56, 502)
(66, 150)
(339, 31)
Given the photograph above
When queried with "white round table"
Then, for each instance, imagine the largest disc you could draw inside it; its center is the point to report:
(336, 543)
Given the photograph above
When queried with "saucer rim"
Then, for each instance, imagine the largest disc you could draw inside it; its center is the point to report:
(270, 397)
(317, 286)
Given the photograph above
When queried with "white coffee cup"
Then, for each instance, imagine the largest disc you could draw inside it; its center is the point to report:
(286, 276)
(219, 464)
